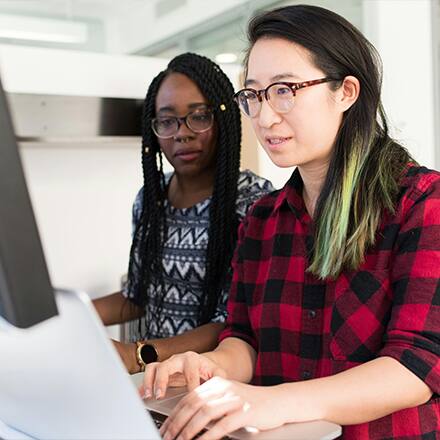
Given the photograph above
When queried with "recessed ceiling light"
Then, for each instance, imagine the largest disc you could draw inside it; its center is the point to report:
(42, 29)
(227, 57)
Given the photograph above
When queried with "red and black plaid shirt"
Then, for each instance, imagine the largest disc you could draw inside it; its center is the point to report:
(304, 328)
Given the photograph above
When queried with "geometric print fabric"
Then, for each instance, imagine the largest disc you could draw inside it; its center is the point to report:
(184, 261)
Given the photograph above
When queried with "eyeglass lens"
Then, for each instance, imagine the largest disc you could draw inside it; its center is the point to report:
(279, 96)
(198, 122)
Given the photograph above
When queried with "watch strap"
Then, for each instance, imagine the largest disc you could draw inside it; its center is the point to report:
(139, 359)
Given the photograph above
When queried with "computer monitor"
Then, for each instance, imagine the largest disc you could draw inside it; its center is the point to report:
(26, 293)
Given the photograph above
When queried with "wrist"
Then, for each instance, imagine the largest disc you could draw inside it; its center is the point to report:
(216, 357)
(132, 359)
(302, 401)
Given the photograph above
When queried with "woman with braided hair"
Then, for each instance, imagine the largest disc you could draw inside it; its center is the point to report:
(185, 222)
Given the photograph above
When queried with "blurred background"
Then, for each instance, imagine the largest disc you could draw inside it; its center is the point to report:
(76, 72)
(158, 28)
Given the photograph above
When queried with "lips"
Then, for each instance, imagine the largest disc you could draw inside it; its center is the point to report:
(187, 154)
(276, 142)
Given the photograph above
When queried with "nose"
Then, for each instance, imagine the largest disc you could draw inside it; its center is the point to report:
(268, 116)
(183, 130)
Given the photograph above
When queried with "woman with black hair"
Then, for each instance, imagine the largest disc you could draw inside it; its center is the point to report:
(334, 308)
(185, 222)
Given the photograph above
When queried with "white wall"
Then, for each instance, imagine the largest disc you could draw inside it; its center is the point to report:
(82, 194)
(401, 30)
(82, 199)
(140, 27)
(68, 72)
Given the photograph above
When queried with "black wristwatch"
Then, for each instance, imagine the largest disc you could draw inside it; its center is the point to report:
(146, 353)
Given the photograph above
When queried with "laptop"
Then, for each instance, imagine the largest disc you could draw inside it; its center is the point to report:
(63, 379)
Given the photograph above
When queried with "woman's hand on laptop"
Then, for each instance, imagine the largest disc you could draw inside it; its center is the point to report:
(190, 369)
(226, 406)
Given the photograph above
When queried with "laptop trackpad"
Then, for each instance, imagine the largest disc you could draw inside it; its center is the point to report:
(167, 404)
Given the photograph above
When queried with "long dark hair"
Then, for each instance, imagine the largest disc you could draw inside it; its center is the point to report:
(362, 179)
(147, 247)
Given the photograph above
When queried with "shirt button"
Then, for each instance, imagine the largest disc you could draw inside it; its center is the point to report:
(306, 375)
(312, 314)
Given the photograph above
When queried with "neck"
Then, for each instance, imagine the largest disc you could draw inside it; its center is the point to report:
(313, 177)
(187, 190)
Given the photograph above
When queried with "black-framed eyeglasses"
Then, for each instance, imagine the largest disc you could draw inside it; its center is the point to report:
(198, 121)
(280, 96)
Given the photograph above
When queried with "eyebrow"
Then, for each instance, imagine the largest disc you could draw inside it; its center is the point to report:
(279, 77)
(191, 106)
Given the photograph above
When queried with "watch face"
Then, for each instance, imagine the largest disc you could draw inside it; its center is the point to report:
(148, 354)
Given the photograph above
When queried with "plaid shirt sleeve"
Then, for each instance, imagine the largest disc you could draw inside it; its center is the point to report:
(238, 323)
(250, 188)
(413, 332)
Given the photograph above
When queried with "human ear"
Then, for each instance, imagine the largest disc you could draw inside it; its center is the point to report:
(348, 92)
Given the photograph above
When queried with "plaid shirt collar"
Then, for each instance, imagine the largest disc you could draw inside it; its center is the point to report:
(291, 193)
(291, 196)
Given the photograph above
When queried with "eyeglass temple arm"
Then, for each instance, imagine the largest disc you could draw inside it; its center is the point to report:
(312, 82)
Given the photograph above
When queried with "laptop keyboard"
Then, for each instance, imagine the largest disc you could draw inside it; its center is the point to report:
(159, 418)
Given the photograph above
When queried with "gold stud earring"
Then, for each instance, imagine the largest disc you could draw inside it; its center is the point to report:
(222, 107)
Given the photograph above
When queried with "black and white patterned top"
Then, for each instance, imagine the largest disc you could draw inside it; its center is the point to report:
(184, 260)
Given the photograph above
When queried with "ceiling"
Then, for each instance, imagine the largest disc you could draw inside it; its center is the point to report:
(164, 27)
(70, 9)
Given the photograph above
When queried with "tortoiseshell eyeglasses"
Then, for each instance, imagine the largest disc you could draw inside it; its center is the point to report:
(279, 95)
